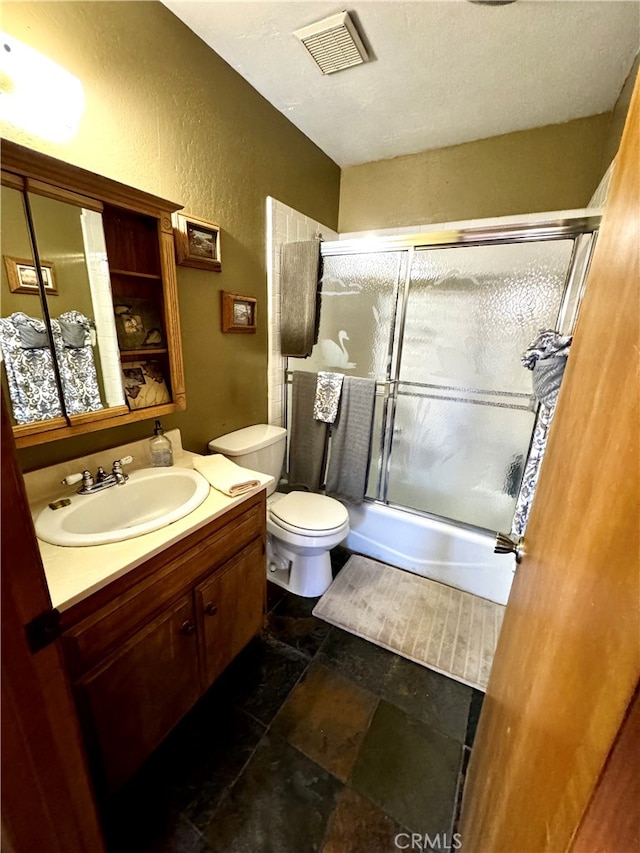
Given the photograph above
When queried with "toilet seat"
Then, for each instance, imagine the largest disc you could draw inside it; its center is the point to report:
(309, 514)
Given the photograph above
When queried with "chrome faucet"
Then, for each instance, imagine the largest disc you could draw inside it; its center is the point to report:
(102, 480)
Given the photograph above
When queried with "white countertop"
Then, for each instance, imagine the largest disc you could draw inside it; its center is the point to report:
(74, 573)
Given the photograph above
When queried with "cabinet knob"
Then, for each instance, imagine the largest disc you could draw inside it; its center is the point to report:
(211, 609)
(187, 628)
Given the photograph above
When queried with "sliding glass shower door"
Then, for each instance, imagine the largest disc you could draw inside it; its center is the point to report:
(464, 413)
(441, 329)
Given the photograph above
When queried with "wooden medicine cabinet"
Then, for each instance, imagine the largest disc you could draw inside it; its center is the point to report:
(89, 323)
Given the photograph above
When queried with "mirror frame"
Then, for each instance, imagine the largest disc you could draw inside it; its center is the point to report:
(25, 169)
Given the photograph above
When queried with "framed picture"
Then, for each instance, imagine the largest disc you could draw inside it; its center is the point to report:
(238, 312)
(138, 324)
(144, 384)
(197, 243)
(23, 278)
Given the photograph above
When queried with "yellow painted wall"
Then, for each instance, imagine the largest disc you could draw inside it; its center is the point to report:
(164, 113)
(556, 167)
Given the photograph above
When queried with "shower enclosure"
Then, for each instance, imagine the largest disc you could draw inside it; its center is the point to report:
(440, 321)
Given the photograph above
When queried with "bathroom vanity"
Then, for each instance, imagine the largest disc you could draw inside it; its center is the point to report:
(142, 650)
(148, 624)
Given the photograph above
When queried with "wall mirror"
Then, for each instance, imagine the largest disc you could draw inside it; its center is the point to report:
(89, 332)
(29, 379)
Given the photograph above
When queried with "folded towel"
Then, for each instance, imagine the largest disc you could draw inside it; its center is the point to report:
(547, 358)
(299, 275)
(227, 477)
(74, 334)
(328, 390)
(31, 331)
(351, 440)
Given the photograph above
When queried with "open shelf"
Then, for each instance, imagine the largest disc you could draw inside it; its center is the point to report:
(136, 274)
(133, 354)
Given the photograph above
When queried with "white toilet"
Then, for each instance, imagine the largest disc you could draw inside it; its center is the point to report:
(302, 527)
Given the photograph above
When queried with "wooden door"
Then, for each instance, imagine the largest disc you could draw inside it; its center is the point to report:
(47, 802)
(568, 659)
(230, 608)
(137, 695)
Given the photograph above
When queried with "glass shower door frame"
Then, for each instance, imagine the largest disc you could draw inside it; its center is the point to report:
(582, 230)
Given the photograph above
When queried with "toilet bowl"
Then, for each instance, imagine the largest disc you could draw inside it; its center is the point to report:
(302, 527)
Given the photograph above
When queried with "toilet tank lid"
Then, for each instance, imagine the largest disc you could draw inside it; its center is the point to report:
(247, 440)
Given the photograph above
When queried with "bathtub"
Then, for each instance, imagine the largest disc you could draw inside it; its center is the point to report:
(434, 549)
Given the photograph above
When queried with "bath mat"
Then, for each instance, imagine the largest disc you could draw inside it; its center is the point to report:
(442, 628)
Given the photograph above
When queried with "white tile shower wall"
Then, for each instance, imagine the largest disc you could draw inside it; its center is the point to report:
(284, 225)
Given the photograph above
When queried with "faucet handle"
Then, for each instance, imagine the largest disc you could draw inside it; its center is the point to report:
(117, 471)
(70, 479)
(87, 480)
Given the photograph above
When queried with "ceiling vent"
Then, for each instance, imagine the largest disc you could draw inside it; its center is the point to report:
(334, 43)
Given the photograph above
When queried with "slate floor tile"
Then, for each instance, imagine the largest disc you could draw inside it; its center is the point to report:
(357, 826)
(144, 819)
(339, 556)
(263, 675)
(466, 756)
(217, 764)
(184, 839)
(292, 622)
(357, 659)
(275, 594)
(326, 717)
(441, 702)
(280, 804)
(477, 698)
(184, 780)
(410, 770)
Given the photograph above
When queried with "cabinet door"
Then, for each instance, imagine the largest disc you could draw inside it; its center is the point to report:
(138, 694)
(230, 608)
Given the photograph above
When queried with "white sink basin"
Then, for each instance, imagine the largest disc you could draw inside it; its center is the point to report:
(151, 498)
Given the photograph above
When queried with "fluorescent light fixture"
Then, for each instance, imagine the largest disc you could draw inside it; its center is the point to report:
(36, 94)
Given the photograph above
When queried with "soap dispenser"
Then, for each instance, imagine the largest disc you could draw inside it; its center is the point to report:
(160, 447)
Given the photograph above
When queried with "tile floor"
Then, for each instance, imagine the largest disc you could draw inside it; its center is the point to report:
(313, 740)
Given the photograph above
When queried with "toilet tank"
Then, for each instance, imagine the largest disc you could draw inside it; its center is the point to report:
(259, 447)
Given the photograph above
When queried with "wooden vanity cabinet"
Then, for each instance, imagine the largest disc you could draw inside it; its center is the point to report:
(131, 701)
(143, 651)
(230, 607)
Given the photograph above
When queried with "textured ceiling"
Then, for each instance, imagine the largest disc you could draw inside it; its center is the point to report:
(443, 71)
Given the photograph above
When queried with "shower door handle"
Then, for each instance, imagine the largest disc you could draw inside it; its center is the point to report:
(505, 544)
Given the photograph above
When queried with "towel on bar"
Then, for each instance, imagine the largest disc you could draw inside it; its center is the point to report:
(227, 477)
(328, 391)
(308, 442)
(351, 440)
(33, 389)
(72, 342)
(299, 275)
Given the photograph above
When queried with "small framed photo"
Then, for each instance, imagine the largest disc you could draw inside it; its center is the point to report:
(197, 243)
(238, 312)
(23, 278)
